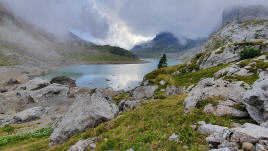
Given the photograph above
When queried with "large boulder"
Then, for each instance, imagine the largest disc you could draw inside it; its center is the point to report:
(225, 108)
(49, 93)
(63, 81)
(250, 133)
(256, 100)
(143, 92)
(35, 84)
(233, 70)
(172, 90)
(208, 88)
(29, 114)
(87, 111)
(128, 104)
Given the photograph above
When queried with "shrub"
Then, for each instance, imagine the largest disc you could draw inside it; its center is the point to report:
(249, 52)
(8, 129)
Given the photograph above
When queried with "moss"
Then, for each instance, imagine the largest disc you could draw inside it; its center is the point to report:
(149, 127)
(214, 101)
(244, 63)
(240, 107)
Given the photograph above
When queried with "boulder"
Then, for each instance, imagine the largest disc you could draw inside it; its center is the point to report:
(29, 115)
(221, 149)
(223, 110)
(128, 104)
(64, 81)
(208, 88)
(87, 111)
(50, 93)
(172, 90)
(250, 133)
(35, 84)
(144, 92)
(233, 70)
(82, 145)
(256, 100)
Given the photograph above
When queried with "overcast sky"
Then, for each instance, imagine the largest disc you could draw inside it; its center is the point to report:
(125, 22)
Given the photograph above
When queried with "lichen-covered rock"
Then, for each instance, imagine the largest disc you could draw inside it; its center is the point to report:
(256, 100)
(35, 84)
(233, 70)
(250, 133)
(213, 88)
(87, 111)
(143, 92)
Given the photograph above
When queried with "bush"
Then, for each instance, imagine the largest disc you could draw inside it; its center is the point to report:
(8, 129)
(249, 52)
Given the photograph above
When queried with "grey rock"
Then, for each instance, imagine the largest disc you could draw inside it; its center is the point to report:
(251, 133)
(237, 125)
(129, 104)
(233, 70)
(143, 92)
(221, 149)
(36, 84)
(260, 147)
(174, 137)
(213, 88)
(194, 127)
(201, 123)
(209, 129)
(172, 90)
(256, 100)
(29, 114)
(264, 124)
(146, 83)
(63, 81)
(50, 93)
(223, 110)
(82, 145)
(231, 145)
(162, 82)
(87, 111)
(130, 149)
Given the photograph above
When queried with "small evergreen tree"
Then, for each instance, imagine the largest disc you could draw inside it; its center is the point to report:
(163, 62)
(249, 52)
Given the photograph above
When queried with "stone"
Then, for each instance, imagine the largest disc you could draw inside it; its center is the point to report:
(172, 90)
(143, 92)
(209, 129)
(233, 70)
(29, 114)
(146, 83)
(237, 125)
(264, 124)
(256, 100)
(35, 84)
(174, 137)
(248, 146)
(130, 149)
(162, 82)
(87, 111)
(82, 145)
(213, 88)
(226, 144)
(129, 104)
(11, 82)
(223, 110)
(260, 147)
(250, 133)
(221, 149)
(63, 81)
(193, 127)
(50, 93)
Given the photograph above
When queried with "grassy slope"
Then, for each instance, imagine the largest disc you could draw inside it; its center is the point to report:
(5, 61)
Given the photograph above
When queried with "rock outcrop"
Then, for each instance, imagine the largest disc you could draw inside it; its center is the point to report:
(256, 100)
(29, 114)
(87, 111)
(209, 88)
(82, 145)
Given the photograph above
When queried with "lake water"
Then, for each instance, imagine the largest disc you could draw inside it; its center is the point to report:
(115, 76)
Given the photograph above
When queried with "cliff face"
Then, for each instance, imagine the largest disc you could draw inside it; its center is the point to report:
(239, 13)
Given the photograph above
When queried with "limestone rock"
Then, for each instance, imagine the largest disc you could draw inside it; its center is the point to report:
(143, 92)
(249, 133)
(213, 88)
(29, 114)
(35, 84)
(256, 100)
(248, 147)
(162, 82)
(87, 111)
(128, 104)
(223, 110)
(174, 137)
(82, 145)
(49, 93)
(172, 90)
(63, 81)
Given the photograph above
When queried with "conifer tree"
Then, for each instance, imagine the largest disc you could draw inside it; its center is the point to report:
(163, 62)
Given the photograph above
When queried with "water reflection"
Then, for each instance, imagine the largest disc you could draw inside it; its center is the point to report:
(120, 76)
